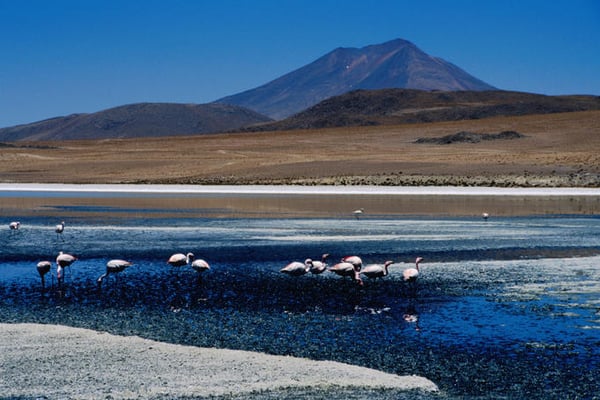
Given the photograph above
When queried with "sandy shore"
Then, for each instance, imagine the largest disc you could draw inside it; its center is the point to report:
(57, 361)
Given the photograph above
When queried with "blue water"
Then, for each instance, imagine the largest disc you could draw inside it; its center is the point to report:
(522, 288)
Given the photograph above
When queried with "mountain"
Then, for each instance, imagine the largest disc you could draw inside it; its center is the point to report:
(400, 106)
(138, 120)
(394, 64)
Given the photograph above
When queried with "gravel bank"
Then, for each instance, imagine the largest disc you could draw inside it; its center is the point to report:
(51, 361)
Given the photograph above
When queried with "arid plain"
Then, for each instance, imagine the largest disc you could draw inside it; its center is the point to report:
(557, 150)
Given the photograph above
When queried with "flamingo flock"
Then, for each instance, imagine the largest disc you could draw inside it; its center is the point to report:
(352, 267)
(349, 266)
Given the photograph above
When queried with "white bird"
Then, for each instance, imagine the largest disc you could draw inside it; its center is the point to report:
(485, 216)
(356, 261)
(180, 259)
(200, 266)
(63, 260)
(14, 226)
(376, 270)
(346, 269)
(410, 275)
(357, 213)
(296, 268)
(317, 267)
(113, 267)
(59, 229)
(43, 267)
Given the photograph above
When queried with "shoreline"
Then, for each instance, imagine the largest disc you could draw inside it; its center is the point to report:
(298, 189)
(96, 360)
(288, 201)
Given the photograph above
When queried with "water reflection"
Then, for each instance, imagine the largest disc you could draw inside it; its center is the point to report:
(411, 315)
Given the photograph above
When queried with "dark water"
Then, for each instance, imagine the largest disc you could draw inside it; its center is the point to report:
(505, 308)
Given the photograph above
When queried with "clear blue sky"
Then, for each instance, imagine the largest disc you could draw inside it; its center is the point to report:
(60, 57)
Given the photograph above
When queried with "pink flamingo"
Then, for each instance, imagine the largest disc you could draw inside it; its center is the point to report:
(200, 266)
(180, 259)
(43, 267)
(410, 275)
(59, 229)
(347, 269)
(63, 260)
(297, 268)
(317, 267)
(356, 261)
(376, 270)
(357, 213)
(113, 267)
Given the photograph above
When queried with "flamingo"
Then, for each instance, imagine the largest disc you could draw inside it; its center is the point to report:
(200, 266)
(485, 216)
(376, 270)
(180, 259)
(358, 213)
(347, 269)
(297, 268)
(317, 267)
(63, 260)
(43, 267)
(356, 261)
(59, 229)
(410, 275)
(14, 226)
(113, 267)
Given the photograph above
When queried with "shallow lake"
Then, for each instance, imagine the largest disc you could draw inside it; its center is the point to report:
(504, 308)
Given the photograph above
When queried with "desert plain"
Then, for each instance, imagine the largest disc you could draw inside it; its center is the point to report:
(556, 150)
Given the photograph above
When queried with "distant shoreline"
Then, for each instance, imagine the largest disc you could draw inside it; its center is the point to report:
(288, 201)
(137, 189)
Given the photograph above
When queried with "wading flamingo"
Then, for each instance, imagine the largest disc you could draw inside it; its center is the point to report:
(180, 259)
(358, 213)
(113, 267)
(200, 266)
(317, 267)
(356, 261)
(59, 229)
(63, 260)
(410, 275)
(43, 267)
(376, 270)
(297, 268)
(14, 226)
(347, 269)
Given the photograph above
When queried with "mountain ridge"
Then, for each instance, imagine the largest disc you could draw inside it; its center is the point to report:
(137, 120)
(394, 64)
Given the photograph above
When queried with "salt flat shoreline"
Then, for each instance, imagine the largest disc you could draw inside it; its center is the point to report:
(298, 190)
(92, 365)
(289, 201)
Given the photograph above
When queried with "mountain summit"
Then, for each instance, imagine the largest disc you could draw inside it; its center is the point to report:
(394, 64)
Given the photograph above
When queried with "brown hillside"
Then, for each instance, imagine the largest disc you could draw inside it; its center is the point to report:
(556, 150)
(406, 106)
(136, 121)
